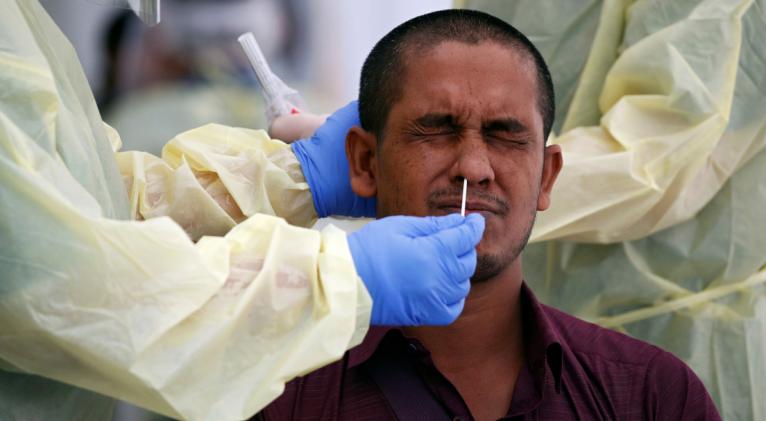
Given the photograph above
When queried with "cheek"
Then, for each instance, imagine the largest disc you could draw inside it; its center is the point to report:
(519, 178)
(496, 229)
(402, 184)
(406, 177)
(518, 181)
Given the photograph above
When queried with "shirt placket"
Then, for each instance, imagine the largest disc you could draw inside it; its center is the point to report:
(441, 388)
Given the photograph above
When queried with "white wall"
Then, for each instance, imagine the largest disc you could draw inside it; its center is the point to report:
(345, 33)
(82, 21)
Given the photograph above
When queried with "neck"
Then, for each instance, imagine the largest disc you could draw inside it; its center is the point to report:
(489, 327)
(482, 353)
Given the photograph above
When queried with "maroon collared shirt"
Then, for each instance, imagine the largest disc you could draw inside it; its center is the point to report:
(574, 370)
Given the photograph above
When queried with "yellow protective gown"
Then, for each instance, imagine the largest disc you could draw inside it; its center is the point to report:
(135, 309)
(660, 114)
(644, 134)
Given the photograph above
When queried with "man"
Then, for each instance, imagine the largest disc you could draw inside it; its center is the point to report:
(456, 95)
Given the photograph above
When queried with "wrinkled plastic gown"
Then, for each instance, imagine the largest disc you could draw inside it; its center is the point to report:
(671, 248)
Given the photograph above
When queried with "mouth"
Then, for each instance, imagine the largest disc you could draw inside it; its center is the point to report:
(446, 207)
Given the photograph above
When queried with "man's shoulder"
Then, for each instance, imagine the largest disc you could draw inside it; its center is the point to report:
(667, 387)
(315, 393)
(637, 377)
(586, 339)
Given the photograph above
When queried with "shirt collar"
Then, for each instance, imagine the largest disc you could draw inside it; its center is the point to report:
(541, 341)
(369, 345)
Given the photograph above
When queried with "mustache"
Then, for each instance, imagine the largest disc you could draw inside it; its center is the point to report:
(435, 196)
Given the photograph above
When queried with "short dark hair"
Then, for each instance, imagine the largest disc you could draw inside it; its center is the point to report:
(380, 85)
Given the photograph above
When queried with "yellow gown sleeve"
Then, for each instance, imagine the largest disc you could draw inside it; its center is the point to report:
(137, 310)
(213, 177)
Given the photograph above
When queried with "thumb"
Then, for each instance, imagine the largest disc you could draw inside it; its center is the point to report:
(461, 238)
(452, 312)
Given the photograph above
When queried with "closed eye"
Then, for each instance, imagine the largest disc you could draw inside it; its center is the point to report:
(433, 125)
(508, 130)
(446, 131)
(507, 137)
(509, 125)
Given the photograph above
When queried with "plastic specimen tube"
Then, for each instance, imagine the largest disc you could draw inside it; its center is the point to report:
(258, 61)
(280, 98)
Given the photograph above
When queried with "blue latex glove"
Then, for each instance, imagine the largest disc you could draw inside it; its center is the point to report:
(417, 270)
(324, 164)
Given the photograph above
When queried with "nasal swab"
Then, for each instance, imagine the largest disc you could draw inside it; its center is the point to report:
(465, 190)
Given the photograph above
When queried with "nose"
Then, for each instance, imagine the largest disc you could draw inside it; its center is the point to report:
(472, 162)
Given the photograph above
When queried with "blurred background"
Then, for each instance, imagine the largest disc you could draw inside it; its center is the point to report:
(152, 83)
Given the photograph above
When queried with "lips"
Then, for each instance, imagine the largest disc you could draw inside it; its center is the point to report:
(452, 205)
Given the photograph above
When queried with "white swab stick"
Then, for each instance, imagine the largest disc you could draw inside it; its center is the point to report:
(465, 190)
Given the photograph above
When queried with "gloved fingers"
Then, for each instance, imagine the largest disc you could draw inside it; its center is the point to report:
(467, 264)
(461, 238)
(477, 223)
(457, 290)
(452, 312)
(418, 226)
(440, 223)
(457, 283)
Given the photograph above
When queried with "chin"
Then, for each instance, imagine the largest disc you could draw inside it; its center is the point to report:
(488, 266)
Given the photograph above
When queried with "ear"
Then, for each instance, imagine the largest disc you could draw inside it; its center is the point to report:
(552, 163)
(361, 152)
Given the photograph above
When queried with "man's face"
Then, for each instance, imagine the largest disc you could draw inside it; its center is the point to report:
(467, 111)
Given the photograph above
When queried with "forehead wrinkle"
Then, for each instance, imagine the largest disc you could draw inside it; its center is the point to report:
(455, 109)
(452, 99)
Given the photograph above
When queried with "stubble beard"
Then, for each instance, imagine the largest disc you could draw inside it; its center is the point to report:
(488, 265)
